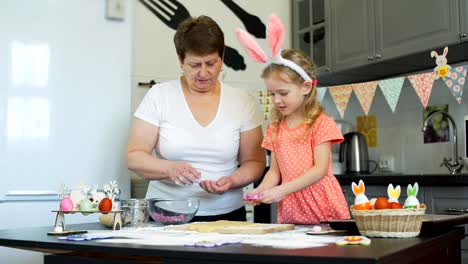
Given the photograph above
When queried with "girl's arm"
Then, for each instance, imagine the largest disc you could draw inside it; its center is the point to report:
(311, 176)
(272, 177)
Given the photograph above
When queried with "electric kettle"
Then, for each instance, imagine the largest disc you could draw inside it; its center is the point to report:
(354, 153)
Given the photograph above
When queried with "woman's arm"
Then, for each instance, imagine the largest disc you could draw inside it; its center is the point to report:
(141, 142)
(311, 176)
(251, 161)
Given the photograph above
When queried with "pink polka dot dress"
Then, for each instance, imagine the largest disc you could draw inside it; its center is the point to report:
(323, 200)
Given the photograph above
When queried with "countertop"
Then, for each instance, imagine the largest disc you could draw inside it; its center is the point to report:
(403, 179)
(440, 245)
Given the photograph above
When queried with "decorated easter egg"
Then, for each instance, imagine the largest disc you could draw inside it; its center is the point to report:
(86, 205)
(105, 205)
(66, 205)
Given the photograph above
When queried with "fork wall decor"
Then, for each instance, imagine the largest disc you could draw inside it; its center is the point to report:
(172, 13)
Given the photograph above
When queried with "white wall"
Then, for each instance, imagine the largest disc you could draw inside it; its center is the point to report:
(399, 133)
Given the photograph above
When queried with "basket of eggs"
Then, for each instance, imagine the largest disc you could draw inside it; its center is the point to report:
(382, 217)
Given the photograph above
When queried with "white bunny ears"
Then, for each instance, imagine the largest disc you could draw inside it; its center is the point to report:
(275, 36)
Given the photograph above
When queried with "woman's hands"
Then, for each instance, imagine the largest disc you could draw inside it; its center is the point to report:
(183, 173)
(220, 186)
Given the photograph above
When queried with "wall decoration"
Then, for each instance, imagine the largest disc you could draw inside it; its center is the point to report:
(422, 84)
(367, 125)
(391, 89)
(340, 95)
(252, 23)
(266, 103)
(321, 93)
(438, 127)
(172, 13)
(456, 81)
(442, 69)
(365, 94)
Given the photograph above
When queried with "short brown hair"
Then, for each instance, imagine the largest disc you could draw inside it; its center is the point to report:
(200, 35)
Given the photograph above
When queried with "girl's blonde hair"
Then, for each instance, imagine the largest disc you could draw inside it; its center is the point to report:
(311, 106)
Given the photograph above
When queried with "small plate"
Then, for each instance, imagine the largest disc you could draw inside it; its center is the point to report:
(346, 224)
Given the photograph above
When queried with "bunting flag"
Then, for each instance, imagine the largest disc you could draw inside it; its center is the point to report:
(455, 81)
(321, 93)
(340, 95)
(365, 94)
(391, 89)
(422, 84)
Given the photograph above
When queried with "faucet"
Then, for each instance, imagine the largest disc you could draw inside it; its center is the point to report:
(454, 164)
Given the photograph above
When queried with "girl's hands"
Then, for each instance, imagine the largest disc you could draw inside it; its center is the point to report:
(183, 173)
(220, 186)
(272, 195)
(251, 193)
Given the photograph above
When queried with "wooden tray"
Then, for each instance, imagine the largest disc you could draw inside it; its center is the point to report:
(232, 227)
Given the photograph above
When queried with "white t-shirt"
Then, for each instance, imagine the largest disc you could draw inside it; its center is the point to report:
(212, 150)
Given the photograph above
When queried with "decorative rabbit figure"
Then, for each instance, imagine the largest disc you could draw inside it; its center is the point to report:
(442, 69)
(360, 202)
(412, 191)
(393, 193)
(96, 196)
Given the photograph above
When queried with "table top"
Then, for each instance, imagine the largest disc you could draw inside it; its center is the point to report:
(380, 250)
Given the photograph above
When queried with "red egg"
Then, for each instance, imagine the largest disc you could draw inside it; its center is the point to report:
(105, 205)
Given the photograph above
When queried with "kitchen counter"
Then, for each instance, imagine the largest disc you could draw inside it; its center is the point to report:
(404, 179)
(436, 247)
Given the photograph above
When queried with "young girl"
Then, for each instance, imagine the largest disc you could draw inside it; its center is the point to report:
(300, 137)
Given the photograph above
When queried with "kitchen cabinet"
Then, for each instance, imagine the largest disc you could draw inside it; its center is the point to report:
(439, 199)
(464, 20)
(368, 31)
(311, 31)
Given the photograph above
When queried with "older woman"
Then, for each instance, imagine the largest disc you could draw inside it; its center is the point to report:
(206, 134)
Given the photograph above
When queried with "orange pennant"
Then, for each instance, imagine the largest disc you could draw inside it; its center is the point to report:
(365, 94)
(340, 95)
(422, 84)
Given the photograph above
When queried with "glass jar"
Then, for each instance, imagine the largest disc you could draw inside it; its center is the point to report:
(135, 212)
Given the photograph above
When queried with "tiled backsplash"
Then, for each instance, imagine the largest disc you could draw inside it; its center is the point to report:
(399, 133)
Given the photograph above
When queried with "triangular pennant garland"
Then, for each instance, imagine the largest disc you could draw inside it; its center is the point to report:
(422, 84)
(455, 81)
(365, 94)
(321, 93)
(340, 95)
(391, 89)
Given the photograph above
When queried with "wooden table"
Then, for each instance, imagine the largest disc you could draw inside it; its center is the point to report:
(438, 247)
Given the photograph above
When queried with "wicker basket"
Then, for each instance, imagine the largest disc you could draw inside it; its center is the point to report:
(389, 222)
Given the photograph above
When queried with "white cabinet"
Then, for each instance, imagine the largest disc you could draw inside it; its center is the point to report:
(368, 31)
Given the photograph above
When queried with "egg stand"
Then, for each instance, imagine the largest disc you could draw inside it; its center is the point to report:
(60, 217)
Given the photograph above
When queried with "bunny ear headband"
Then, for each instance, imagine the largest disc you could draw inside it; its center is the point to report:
(275, 36)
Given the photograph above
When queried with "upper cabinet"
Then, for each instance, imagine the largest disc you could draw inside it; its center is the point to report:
(366, 31)
(311, 31)
(464, 20)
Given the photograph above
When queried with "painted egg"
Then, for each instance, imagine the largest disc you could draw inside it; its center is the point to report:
(66, 205)
(105, 205)
(86, 205)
